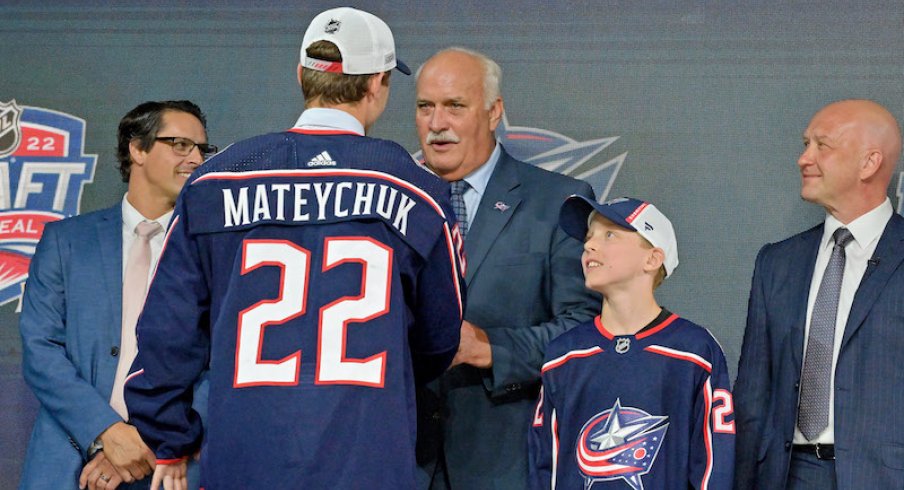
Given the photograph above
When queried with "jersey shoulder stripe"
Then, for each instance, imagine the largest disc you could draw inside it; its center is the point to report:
(681, 355)
(575, 354)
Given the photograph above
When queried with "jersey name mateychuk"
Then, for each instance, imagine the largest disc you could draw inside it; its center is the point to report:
(318, 201)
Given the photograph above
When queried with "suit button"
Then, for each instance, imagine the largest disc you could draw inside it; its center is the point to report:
(114, 351)
(788, 445)
(797, 385)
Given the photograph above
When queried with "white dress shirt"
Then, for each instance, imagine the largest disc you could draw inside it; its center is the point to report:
(866, 230)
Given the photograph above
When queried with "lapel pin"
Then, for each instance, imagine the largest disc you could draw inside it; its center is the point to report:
(501, 206)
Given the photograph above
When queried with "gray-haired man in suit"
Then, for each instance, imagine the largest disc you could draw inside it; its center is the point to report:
(524, 279)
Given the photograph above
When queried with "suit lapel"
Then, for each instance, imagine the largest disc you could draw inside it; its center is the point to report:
(802, 263)
(109, 236)
(502, 189)
(889, 254)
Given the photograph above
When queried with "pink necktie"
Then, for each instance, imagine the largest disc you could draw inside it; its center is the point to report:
(134, 290)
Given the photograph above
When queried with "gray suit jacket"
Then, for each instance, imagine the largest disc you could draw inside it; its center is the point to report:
(525, 286)
(71, 327)
(869, 380)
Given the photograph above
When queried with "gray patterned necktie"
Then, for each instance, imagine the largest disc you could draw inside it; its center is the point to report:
(813, 412)
(459, 187)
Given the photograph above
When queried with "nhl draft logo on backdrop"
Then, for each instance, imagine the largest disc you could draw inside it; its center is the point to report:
(10, 131)
(43, 169)
(558, 153)
(620, 443)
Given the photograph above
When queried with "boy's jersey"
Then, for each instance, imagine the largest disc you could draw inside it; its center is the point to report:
(317, 275)
(651, 410)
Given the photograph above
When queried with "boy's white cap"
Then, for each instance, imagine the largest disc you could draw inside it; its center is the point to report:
(365, 42)
(627, 212)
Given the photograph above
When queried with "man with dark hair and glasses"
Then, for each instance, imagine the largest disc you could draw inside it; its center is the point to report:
(85, 289)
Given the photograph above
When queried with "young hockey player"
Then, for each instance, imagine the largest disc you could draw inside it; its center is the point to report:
(639, 397)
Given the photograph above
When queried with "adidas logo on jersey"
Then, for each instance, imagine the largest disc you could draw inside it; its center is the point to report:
(322, 160)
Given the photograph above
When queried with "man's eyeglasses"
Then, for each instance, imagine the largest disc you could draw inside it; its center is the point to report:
(184, 146)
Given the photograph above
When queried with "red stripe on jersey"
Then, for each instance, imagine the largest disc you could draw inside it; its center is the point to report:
(707, 433)
(169, 233)
(538, 411)
(555, 448)
(665, 323)
(678, 354)
(327, 132)
(458, 266)
(599, 326)
(171, 461)
(575, 354)
(136, 373)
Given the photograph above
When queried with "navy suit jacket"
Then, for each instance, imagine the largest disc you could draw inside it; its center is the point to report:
(525, 286)
(869, 378)
(71, 328)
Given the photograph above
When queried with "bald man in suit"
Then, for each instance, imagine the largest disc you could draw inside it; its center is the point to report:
(820, 383)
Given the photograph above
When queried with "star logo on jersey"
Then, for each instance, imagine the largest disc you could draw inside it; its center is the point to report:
(559, 153)
(620, 444)
(42, 173)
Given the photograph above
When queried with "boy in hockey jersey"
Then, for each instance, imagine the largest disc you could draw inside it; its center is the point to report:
(639, 397)
(316, 271)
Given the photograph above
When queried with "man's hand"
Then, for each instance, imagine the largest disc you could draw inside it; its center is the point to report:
(99, 474)
(126, 451)
(475, 348)
(171, 476)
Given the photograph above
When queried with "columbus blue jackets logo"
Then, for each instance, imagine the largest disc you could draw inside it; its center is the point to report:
(620, 443)
(42, 172)
(559, 153)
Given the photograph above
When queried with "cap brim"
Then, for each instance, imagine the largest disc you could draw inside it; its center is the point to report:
(402, 67)
(573, 216)
(576, 209)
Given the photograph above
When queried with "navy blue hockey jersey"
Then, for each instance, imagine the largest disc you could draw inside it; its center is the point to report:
(317, 274)
(651, 410)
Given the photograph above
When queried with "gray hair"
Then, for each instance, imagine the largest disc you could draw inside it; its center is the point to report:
(492, 73)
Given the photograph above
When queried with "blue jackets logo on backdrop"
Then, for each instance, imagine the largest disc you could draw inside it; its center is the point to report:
(43, 169)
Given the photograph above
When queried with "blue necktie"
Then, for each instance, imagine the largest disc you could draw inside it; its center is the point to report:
(459, 187)
(815, 381)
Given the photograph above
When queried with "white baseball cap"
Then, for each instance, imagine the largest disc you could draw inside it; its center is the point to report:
(364, 41)
(627, 212)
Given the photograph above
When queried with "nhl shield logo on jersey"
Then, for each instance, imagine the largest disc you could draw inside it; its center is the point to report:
(622, 344)
(620, 443)
(558, 153)
(43, 169)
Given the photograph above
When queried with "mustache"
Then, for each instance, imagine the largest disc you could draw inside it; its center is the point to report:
(446, 136)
